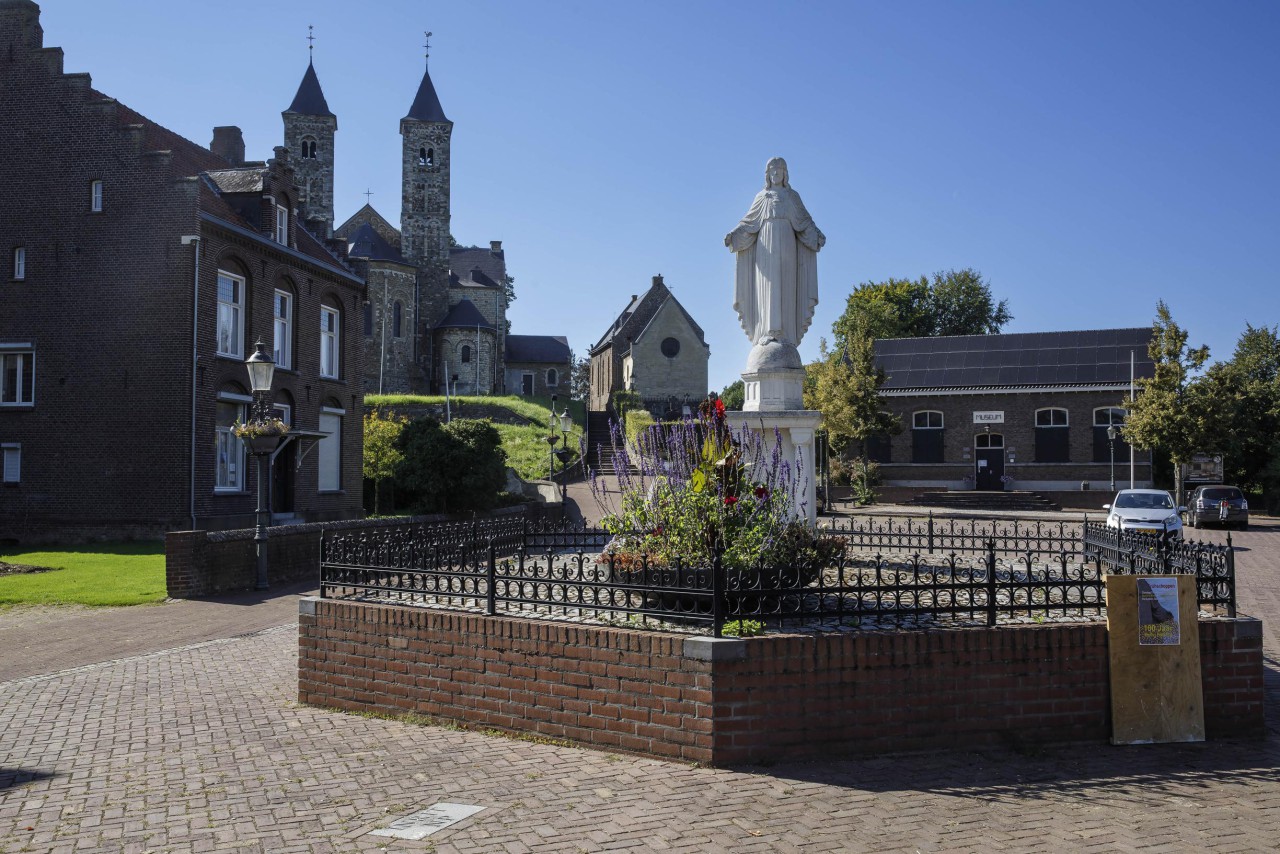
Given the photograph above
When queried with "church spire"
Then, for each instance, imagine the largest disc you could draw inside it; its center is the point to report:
(310, 98)
(426, 106)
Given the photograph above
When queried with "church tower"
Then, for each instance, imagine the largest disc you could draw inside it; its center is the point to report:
(424, 203)
(309, 129)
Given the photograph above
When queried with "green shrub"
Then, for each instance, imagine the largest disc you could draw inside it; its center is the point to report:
(623, 402)
(454, 468)
(742, 628)
(637, 420)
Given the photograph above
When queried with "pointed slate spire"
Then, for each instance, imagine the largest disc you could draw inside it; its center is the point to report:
(426, 106)
(310, 98)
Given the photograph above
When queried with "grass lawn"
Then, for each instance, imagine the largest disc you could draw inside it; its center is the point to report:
(129, 573)
(525, 444)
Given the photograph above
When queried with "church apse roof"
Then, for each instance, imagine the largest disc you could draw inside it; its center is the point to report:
(366, 242)
(464, 315)
(310, 98)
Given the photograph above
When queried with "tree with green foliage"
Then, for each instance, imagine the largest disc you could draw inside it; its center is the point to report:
(1245, 394)
(954, 302)
(453, 468)
(580, 378)
(1169, 411)
(382, 455)
(734, 395)
(846, 390)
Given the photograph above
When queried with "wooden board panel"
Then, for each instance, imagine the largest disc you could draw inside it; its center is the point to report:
(1156, 689)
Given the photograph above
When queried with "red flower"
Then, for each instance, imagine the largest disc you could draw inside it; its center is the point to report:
(730, 500)
(762, 493)
(719, 409)
(657, 532)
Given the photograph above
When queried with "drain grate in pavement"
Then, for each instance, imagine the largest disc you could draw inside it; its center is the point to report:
(423, 823)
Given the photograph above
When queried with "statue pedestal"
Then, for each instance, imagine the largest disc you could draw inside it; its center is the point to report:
(774, 378)
(797, 428)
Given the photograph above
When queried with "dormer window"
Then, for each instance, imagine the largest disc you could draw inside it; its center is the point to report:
(282, 225)
(95, 196)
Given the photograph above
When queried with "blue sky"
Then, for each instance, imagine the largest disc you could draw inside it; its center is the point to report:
(1088, 158)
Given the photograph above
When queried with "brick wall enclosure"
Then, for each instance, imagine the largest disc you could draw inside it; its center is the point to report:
(742, 701)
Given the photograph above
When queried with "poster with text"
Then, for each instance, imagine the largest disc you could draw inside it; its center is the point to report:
(1158, 612)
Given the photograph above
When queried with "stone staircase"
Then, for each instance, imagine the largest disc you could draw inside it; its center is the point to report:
(980, 500)
(599, 444)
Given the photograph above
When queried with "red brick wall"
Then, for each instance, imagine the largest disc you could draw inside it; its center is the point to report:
(793, 696)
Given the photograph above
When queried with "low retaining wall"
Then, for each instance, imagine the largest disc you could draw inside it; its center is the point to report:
(757, 699)
(206, 563)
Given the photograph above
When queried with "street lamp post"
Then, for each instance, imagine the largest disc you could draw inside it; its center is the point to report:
(566, 424)
(1111, 442)
(261, 370)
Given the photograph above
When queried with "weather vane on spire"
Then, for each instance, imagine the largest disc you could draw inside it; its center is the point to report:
(311, 42)
(426, 46)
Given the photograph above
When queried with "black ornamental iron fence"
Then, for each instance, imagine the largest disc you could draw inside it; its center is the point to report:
(1113, 551)
(942, 535)
(548, 571)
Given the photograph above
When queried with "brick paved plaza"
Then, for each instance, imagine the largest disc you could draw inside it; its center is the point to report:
(202, 747)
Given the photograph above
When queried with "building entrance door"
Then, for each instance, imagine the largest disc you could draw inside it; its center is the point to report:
(526, 385)
(988, 457)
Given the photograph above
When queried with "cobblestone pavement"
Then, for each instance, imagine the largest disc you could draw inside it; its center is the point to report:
(202, 748)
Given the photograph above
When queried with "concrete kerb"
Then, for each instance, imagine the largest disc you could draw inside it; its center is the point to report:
(715, 649)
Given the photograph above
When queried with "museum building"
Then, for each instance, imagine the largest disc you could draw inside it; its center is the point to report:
(1027, 411)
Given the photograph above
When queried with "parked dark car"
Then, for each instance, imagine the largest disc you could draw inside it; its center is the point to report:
(1206, 507)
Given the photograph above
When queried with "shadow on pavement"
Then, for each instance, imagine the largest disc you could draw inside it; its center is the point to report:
(10, 777)
(257, 597)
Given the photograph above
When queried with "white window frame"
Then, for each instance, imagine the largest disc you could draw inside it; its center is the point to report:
(282, 225)
(19, 263)
(927, 426)
(226, 445)
(95, 196)
(1112, 421)
(11, 462)
(1066, 416)
(23, 358)
(282, 329)
(231, 314)
(329, 454)
(330, 342)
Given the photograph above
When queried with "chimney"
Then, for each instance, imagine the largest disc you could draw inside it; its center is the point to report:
(228, 143)
(495, 246)
(22, 17)
(657, 280)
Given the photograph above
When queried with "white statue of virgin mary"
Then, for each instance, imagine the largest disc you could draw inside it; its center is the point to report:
(777, 245)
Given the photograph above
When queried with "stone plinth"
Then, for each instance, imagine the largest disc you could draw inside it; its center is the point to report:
(796, 428)
(774, 378)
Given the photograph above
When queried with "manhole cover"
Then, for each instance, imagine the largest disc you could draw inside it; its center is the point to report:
(423, 823)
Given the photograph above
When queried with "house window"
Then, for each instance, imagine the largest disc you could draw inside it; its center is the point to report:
(283, 329)
(1103, 418)
(12, 463)
(330, 341)
(20, 262)
(95, 196)
(282, 225)
(1052, 436)
(368, 318)
(466, 354)
(17, 378)
(553, 376)
(230, 314)
(329, 452)
(395, 318)
(926, 437)
(229, 470)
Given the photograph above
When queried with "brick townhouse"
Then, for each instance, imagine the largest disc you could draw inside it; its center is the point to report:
(141, 269)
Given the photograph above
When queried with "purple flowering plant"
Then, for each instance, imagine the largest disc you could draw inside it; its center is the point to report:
(690, 488)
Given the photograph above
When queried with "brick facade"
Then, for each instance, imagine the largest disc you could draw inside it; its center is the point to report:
(106, 307)
(740, 701)
(1018, 433)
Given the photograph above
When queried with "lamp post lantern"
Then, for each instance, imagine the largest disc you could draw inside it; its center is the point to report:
(1111, 442)
(261, 371)
(566, 424)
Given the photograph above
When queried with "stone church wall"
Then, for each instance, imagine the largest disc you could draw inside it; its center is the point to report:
(389, 359)
(660, 377)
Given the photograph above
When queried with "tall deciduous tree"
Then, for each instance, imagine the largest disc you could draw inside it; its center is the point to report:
(1169, 412)
(1245, 394)
(954, 302)
(846, 390)
(734, 395)
(382, 456)
(580, 378)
